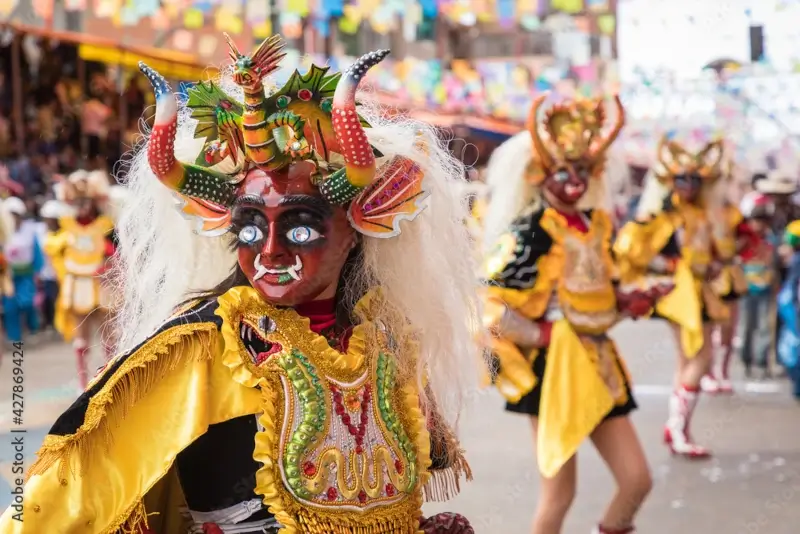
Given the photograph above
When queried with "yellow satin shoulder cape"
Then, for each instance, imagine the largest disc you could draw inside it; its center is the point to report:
(637, 244)
(102, 478)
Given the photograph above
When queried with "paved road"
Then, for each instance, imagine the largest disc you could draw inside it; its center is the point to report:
(752, 486)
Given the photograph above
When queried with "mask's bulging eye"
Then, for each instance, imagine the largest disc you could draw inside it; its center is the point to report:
(301, 235)
(561, 176)
(250, 234)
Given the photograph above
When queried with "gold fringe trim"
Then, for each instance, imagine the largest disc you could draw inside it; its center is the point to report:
(399, 524)
(445, 484)
(140, 372)
(133, 521)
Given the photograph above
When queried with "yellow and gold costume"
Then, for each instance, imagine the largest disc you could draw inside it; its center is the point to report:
(330, 442)
(556, 271)
(83, 256)
(683, 232)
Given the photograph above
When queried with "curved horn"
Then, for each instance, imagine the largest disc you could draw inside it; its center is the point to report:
(189, 180)
(234, 52)
(612, 135)
(703, 154)
(533, 127)
(358, 156)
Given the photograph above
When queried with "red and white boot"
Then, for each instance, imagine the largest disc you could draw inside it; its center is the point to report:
(682, 404)
(81, 358)
(600, 529)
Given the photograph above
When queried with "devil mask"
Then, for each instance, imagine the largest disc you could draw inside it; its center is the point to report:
(572, 149)
(687, 173)
(292, 174)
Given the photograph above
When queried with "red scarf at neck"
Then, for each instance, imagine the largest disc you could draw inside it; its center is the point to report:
(322, 318)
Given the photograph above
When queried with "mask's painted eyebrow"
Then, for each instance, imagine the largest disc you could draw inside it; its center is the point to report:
(249, 199)
(318, 204)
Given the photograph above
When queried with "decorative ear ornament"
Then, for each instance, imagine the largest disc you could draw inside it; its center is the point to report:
(312, 117)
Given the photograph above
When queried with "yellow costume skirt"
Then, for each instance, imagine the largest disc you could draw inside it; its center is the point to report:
(579, 383)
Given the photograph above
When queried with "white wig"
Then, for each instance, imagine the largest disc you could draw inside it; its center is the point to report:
(426, 272)
(509, 192)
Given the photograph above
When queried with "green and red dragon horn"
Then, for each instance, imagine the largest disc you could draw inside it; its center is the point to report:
(357, 152)
(209, 190)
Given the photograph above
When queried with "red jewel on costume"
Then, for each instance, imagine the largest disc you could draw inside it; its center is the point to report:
(390, 491)
(304, 94)
(362, 496)
(398, 466)
(332, 494)
(212, 528)
(309, 469)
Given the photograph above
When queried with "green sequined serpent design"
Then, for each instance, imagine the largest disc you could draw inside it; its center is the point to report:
(312, 406)
(386, 382)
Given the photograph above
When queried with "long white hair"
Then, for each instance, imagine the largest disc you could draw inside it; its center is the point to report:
(426, 273)
(509, 193)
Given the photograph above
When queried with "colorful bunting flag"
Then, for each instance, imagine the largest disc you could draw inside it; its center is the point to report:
(193, 19)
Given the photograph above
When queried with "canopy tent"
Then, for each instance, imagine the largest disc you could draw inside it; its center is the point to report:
(173, 65)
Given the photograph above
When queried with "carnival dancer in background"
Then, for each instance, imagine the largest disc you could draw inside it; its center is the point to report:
(88, 244)
(6, 281)
(551, 298)
(672, 237)
(758, 263)
(319, 297)
(25, 261)
(53, 243)
(788, 344)
(729, 230)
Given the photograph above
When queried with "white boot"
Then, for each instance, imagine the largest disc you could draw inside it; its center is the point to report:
(682, 404)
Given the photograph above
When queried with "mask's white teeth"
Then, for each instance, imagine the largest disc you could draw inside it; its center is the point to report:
(292, 271)
(260, 269)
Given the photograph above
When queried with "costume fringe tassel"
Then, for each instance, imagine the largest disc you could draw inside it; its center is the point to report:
(132, 522)
(444, 484)
(390, 525)
(138, 374)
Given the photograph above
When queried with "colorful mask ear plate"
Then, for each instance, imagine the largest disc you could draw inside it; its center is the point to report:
(209, 219)
(396, 195)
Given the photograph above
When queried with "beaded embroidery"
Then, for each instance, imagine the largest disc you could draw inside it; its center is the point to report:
(343, 436)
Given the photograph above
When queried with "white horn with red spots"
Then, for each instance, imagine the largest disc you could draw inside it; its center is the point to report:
(358, 156)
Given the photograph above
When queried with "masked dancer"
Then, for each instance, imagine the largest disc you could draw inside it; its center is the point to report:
(88, 243)
(672, 237)
(552, 296)
(293, 369)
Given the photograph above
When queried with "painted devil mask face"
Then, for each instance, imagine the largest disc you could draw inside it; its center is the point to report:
(687, 186)
(685, 172)
(570, 182)
(569, 146)
(292, 244)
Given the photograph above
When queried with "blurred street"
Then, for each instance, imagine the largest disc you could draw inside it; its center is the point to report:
(751, 486)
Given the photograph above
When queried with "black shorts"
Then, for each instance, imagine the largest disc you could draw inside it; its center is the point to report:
(529, 404)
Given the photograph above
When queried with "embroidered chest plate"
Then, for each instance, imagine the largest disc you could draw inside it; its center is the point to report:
(341, 427)
(585, 290)
(85, 251)
(695, 236)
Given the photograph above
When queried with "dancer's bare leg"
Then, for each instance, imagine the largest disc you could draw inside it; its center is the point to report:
(727, 333)
(618, 444)
(556, 495)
